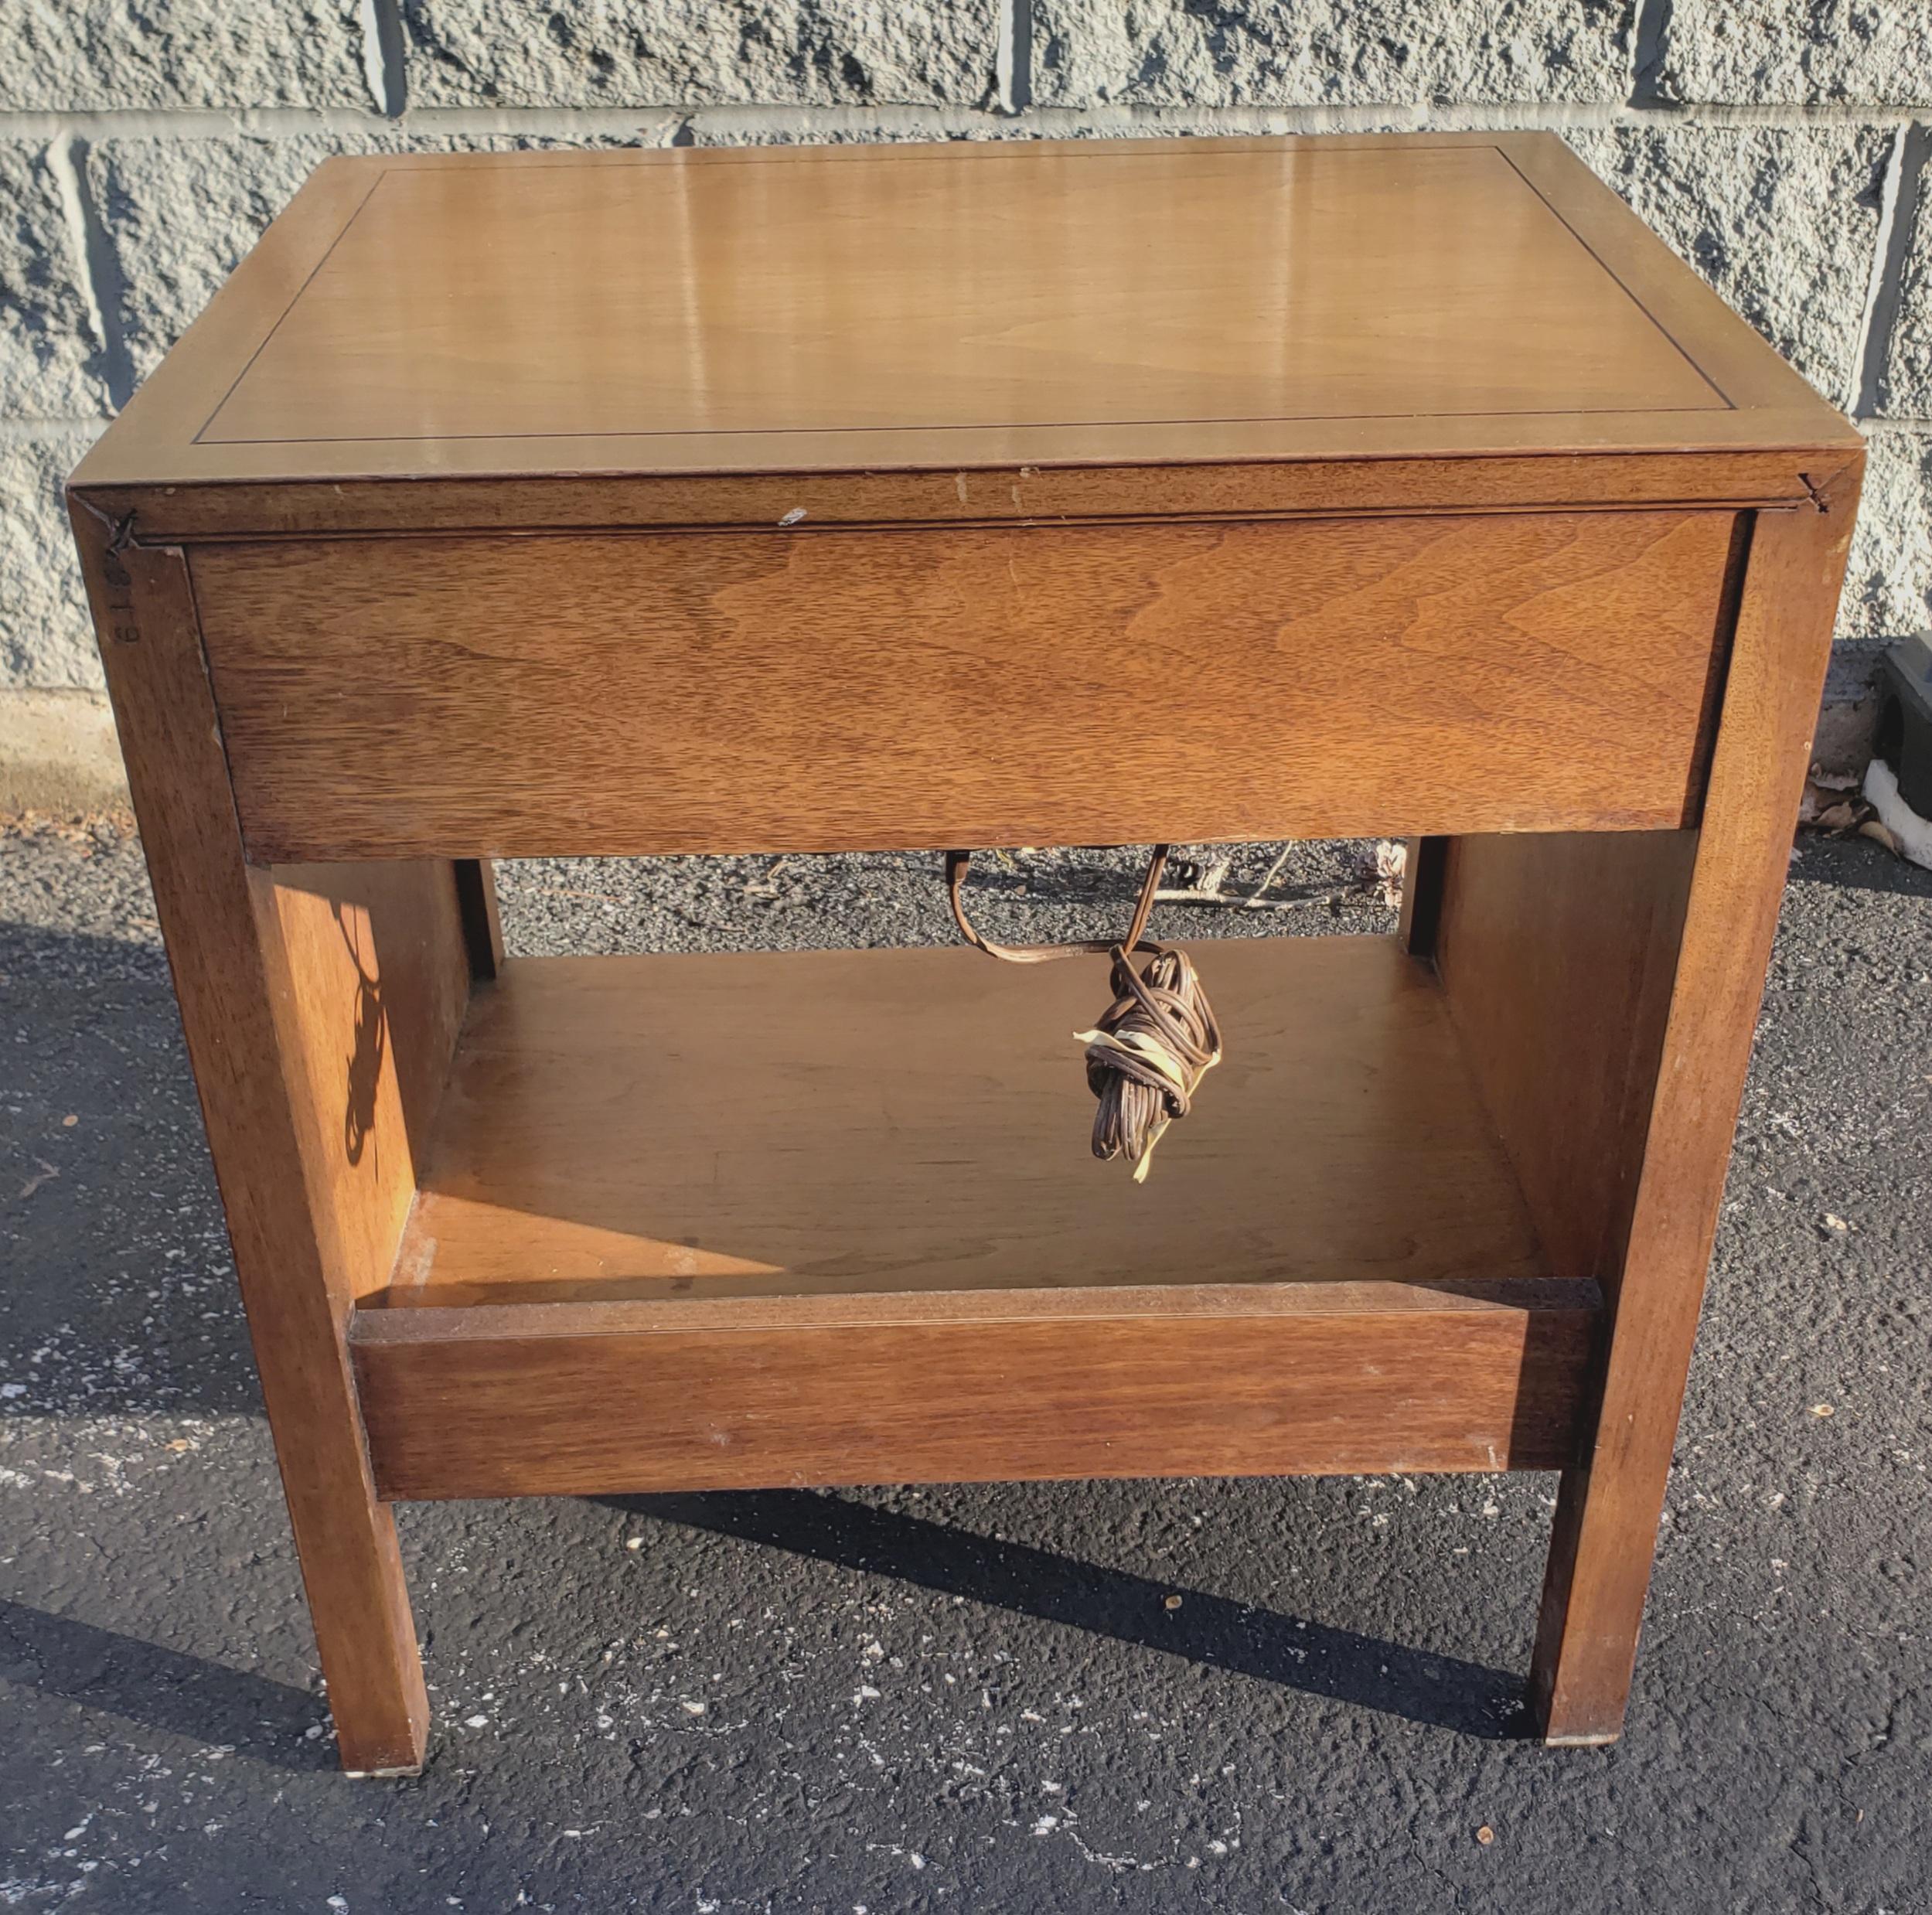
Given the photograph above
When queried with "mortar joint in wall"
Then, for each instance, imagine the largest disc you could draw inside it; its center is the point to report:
(562, 122)
(383, 65)
(1905, 174)
(98, 266)
(1647, 31)
(1013, 58)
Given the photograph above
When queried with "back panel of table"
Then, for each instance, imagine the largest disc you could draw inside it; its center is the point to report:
(823, 690)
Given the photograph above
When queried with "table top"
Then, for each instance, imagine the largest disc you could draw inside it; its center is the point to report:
(932, 308)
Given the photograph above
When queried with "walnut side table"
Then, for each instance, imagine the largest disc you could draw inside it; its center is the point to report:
(712, 502)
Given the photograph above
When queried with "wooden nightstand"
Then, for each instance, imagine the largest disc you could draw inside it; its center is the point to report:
(625, 503)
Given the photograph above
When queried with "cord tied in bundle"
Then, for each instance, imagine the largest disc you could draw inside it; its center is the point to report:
(1156, 1040)
(1145, 1056)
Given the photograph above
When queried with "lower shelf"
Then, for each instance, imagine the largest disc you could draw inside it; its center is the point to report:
(830, 1218)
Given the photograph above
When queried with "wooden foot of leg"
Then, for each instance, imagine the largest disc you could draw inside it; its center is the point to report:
(367, 1639)
(1599, 1567)
(360, 1604)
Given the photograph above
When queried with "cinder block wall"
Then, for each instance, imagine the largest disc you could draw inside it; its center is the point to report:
(1779, 145)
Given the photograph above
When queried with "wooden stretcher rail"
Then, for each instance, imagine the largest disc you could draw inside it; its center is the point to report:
(1231, 1380)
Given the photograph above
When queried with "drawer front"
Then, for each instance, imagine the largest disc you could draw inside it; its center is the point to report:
(826, 691)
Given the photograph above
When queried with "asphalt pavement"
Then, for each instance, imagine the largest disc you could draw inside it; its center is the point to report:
(980, 1698)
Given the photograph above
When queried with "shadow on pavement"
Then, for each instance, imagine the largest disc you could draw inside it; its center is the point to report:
(161, 1688)
(1856, 864)
(1340, 1664)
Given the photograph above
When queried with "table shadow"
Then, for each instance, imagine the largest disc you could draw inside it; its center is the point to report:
(161, 1688)
(1336, 1665)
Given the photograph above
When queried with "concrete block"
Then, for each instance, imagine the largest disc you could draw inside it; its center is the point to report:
(46, 638)
(1328, 53)
(49, 352)
(1781, 220)
(58, 753)
(1888, 581)
(1866, 52)
(1905, 382)
(693, 53)
(181, 214)
(89, 55)
(1848, 719)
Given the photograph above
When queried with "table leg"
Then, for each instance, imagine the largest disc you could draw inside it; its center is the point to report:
(306, 1234)
(1611, 1501)
(1605, 987)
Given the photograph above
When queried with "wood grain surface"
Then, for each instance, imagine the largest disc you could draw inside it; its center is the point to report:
(1014, 304)
(723, 693)
(379, 978)
(809, 1123)
(998, 495)
(1607, 1514)
(917, 293)
(301, 1244)
(1562, 946)
(1306, 1378)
